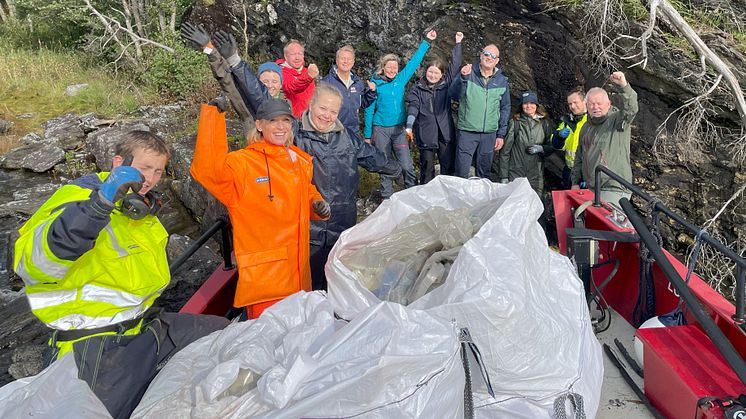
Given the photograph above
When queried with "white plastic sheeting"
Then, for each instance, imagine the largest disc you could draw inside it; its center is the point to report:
(55, 393)
(522, 302)
(388, 362)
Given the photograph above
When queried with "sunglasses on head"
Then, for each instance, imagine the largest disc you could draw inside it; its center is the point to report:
(489, 54)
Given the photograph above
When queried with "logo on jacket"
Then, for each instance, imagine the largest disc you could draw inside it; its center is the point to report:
(262, 179)
(353, 89)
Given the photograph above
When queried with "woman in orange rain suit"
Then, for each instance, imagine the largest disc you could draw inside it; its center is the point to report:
(267, 190)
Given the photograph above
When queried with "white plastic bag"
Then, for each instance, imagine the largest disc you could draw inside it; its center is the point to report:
(387, 363)
(522, 302)
(54, 393)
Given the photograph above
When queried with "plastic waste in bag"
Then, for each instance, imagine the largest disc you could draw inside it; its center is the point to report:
(386, 363)
(522, 302)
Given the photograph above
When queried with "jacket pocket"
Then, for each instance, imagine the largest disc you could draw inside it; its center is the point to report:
(265, 275)
(262, 257)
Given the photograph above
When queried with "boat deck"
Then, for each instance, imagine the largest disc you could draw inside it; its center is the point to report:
(618, 400)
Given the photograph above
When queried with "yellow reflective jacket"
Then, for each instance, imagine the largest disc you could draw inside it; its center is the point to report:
(85, 269)
(571, 142)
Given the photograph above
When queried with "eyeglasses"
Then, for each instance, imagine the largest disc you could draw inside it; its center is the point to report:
(489, 54)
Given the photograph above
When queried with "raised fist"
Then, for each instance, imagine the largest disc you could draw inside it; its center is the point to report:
(459, 37)
(313, 71)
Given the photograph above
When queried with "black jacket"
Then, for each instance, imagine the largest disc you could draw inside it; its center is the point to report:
(431, 106)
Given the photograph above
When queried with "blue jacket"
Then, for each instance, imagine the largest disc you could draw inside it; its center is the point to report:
(358, 95)
(389, 110)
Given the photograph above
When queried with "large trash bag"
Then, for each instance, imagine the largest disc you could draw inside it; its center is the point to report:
(522, 302)
(297, 360)
(54, 393)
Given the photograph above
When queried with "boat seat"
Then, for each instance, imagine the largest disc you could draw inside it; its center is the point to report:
(681, 363)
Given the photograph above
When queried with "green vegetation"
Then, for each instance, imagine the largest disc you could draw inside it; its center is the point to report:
(635, 10)
(34, 81)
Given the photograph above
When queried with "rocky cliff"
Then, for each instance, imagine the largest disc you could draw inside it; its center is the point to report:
(542, 49)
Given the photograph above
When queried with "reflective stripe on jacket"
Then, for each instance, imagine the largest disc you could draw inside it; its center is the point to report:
(571, 142)
(113, 280)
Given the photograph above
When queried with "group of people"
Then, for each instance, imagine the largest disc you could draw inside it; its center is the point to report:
(93, 256)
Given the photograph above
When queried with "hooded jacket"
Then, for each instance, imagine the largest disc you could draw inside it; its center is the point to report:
(336, 156)
(268, 192)
(430, 105)
(298, 87)
(483, 106)
(515, 162)
(353, 98)
(606, 140)
(389, 109)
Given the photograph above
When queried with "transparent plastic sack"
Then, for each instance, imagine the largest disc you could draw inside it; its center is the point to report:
(54, 393)
(522, 302)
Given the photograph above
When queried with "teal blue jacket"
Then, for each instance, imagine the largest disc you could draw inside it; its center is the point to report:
(389, 109)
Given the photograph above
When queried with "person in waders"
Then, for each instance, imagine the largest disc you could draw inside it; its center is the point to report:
(93, 261)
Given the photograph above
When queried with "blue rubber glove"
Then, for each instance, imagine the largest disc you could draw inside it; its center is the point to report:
(534, 149)
(120, 180)
(564, 132)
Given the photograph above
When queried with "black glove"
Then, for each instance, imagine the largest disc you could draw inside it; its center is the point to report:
(534, 149)
(322, 209)
(196, 36)
(225, 43)
(220, 102)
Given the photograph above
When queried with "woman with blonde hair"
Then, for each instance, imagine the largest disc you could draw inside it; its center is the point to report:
(385, 118)
(336, 156)
(270, 197)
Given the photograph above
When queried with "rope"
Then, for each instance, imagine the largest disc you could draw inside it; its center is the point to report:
(576, 401)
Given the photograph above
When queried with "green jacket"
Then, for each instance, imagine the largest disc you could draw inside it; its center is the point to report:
(606, 141)
(85, 266)
(515, 162)
(484, 105)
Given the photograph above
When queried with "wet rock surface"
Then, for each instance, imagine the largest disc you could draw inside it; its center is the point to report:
(38, 157)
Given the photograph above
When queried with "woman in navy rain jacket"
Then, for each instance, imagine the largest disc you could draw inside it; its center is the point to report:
(429, 114)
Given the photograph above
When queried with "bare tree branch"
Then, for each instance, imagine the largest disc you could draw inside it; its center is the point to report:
(172, 24)
(128, 21)
(112, 31)
(113, 26)
(706, 54)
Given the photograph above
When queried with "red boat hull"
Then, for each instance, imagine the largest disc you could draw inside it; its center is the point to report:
(682, 364)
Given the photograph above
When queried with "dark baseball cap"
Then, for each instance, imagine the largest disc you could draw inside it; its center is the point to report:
(529, 97)
(272, 108)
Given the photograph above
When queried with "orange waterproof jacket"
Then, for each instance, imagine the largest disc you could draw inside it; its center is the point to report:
(268, 192)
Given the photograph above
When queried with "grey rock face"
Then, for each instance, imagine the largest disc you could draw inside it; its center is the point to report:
(31, 138)
(74, 89)
(101, 142)
(28, 200)
(38, 157)
(65, 131)
(200, 203)
(5, 126)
